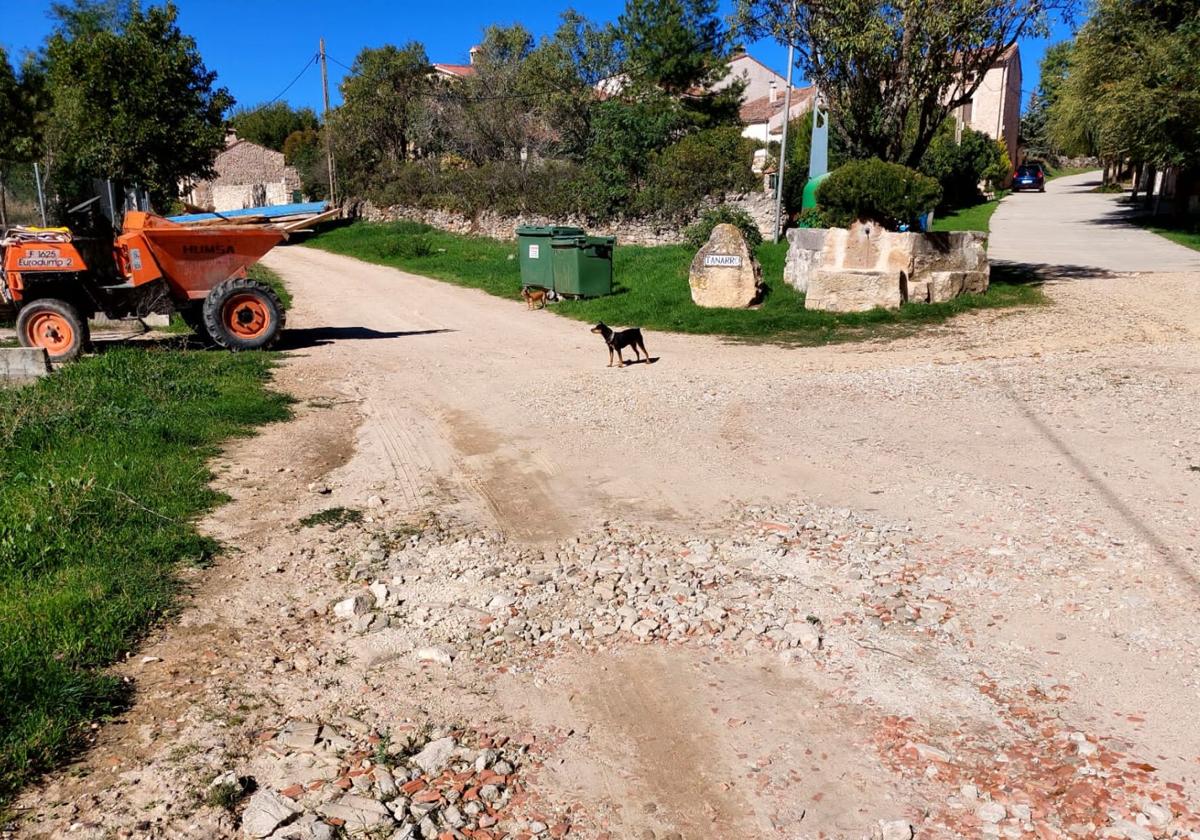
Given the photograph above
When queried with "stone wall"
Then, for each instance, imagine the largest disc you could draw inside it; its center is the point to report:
(760, 206)
(856, 269)
(248, 175)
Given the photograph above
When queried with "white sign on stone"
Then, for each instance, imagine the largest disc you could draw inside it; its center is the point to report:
(728, 260)
(533, 252)
(724, 274)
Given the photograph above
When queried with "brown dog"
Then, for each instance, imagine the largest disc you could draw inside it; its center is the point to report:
(534, 297)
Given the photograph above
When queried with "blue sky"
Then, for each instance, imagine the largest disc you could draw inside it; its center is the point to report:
(258, 46)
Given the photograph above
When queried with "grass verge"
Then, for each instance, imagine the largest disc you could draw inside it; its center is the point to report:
(260, 272)
(651, 286)
(1051, 174)
(1185, 232)
(976, 217)
(102, 476)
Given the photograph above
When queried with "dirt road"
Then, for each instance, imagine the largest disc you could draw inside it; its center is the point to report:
(991, 525)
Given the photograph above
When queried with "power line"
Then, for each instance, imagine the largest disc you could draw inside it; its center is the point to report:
(303, 69)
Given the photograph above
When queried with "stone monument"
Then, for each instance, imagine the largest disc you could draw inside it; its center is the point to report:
(724, 274)
(860, 268)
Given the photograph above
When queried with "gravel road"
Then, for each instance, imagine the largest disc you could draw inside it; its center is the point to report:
(945, 584)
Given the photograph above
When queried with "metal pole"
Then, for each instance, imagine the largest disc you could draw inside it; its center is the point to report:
(787, 114)
(37, 179)
(328, 134)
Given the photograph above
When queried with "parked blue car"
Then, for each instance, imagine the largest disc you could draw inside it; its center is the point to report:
(1029, 176)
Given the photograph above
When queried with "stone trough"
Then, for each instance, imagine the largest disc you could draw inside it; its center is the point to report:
(866, 266)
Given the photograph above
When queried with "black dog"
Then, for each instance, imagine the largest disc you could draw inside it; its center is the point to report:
(618, 341)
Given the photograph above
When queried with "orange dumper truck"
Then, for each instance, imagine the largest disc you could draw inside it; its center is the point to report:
(56, 281)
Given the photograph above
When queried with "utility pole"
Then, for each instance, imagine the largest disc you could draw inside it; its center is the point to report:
(328, 133)
(37, 177)
(787, 113)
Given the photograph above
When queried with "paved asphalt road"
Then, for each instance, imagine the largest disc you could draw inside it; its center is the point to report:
(1072, 228)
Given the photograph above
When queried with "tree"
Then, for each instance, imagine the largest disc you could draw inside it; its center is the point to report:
(706, 163)
(624, 137)
(961, 164)
(1035, 122)
(680, 48)
(892, 72)
(134, 103)
(20, 129)
(271, 125)
(85, 17)
(566, 67)
(305, 150)
(381, 99)
(1132, 90)
(498, 115)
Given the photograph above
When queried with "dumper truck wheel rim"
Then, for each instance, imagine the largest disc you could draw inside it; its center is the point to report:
(51, 331)
(247, 316)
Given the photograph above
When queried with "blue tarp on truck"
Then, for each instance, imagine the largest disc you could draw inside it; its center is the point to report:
(312, 208)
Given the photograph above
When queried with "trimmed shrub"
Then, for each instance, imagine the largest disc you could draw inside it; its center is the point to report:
(961, 167)
(697, 234)
(887, 193)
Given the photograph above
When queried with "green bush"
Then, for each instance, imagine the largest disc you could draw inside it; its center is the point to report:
(696, 235)
(960, 167)
(711, 162)
(550, 188)
(871, 190)
(795, 174)
(669, 183)
(812, 217)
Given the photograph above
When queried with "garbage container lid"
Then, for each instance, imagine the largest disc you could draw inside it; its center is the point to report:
(549, 230)
(568, 241)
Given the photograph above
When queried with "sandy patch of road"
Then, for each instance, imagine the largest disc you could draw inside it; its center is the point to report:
(1037, 471)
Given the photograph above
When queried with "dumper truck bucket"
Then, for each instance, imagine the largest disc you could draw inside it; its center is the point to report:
(192, 260)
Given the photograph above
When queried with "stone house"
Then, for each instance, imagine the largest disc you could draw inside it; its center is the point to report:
(995, 109)
(247, 175)
(763, 97)
(761, 110)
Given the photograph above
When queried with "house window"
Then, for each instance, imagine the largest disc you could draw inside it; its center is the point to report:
(966, 111)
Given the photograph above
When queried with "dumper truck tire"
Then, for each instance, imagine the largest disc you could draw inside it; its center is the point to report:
(55, 325)
(243, 315)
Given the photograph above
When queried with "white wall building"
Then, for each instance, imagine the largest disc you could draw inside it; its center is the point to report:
(763, 97)
(995, 109)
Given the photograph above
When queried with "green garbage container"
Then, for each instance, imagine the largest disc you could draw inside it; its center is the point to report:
(583, 265)
(533, 252)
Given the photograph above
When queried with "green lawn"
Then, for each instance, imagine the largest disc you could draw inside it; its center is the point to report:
(1051, 174)
(102, 476)
(1185, 232)
(651, 286)
(978, 217)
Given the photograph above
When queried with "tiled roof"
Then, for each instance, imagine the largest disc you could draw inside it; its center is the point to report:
(455, 69)
(762, 110)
